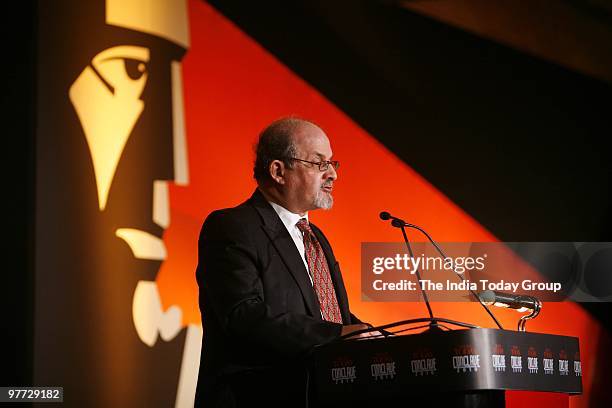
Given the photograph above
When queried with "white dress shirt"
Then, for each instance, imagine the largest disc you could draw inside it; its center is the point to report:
(290, 220)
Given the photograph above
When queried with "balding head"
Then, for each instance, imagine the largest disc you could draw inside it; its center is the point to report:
(278, 142)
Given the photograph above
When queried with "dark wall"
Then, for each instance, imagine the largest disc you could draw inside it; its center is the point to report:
(18, 111)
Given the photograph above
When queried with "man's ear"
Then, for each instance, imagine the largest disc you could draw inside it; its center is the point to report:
(277, 171)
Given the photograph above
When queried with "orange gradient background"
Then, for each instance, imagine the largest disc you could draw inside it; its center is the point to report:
(233, 88)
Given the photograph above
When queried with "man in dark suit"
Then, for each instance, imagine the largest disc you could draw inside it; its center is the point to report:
(270, 286)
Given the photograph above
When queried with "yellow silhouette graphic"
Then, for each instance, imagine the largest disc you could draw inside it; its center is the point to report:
(107, 98)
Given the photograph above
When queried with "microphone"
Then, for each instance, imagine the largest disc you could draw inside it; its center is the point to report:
(384, 215)
(396, 222)
(520, 303)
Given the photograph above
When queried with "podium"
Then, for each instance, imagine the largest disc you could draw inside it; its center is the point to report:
(470, 368)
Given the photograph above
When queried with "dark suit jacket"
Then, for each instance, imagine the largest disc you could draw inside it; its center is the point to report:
(259, 310)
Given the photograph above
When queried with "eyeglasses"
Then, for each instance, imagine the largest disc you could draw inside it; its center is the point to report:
(323, 165)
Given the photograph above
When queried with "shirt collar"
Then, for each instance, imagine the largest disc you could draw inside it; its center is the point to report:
(288, 218)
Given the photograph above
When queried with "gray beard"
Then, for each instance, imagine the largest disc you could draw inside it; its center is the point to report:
(323, 200)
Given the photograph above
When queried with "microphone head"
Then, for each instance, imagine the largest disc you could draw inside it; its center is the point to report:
(397, 223)
(384, 216)
(487, 296)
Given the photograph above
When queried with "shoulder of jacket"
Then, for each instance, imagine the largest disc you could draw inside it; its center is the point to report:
(243, 216)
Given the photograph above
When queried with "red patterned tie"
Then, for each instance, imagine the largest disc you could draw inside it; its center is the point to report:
(321, 279)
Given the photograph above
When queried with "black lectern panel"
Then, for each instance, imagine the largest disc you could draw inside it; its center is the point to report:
(476, 360)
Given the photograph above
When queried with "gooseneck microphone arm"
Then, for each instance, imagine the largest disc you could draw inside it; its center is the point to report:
(418, 275)
(399, 223)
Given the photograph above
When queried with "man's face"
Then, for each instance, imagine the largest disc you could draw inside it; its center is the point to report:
(309, 187)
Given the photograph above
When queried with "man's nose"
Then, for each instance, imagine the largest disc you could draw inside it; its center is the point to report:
(331, 173)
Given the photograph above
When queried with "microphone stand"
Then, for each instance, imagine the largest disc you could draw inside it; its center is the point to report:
(433, 323)
(401, 224)
(396, 222)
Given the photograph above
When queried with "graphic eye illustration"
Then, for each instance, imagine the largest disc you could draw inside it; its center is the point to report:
(123, 69)
(134, 68)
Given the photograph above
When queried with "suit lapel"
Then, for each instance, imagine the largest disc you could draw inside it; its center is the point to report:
(282, 241)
